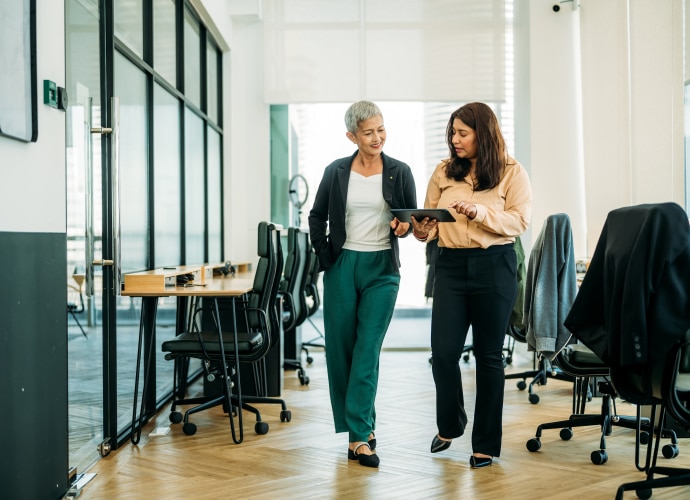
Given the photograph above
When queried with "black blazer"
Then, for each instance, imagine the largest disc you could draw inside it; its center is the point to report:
(327, 216)
(634, 301)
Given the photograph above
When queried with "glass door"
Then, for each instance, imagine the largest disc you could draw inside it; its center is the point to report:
(84, 232)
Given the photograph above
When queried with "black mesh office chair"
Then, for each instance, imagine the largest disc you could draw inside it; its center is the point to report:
(313, 304)
(257, 320)
(550, 288)
(293, 291)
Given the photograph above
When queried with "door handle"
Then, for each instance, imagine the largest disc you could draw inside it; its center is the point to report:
(115, 193)
(103, 263)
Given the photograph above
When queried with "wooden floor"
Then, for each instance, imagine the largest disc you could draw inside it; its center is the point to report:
(306, 459)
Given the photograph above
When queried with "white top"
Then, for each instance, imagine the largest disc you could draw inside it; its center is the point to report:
(367, 215)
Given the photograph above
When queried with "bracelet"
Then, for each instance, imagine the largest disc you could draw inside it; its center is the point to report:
(419, 238)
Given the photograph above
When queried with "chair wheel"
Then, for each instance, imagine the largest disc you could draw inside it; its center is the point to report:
(509, 360)
(175, 417)
(534, 444)
(310, 360)
(566, 434)
(670, 451)
(285, 415)
(189, 428)
(522, 385)
(644, 437)
(261, 428)
(599, 457)
(303, 379)
(533, 398)
(644, 494)
(466, 358)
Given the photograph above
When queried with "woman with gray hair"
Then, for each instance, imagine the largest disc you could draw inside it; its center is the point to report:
(356, 240)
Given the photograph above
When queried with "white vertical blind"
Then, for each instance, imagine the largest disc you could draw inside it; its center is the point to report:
(393, 50)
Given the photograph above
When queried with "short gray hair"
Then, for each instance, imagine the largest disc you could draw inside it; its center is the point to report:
(359, 112)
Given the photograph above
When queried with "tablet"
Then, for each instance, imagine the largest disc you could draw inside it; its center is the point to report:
(440, 214)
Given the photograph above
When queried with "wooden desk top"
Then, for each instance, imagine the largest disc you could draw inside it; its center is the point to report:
(153, 284)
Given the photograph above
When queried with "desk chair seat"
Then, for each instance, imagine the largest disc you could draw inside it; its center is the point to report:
(202, 344)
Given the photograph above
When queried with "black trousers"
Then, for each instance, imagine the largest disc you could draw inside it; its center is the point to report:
(473, 287)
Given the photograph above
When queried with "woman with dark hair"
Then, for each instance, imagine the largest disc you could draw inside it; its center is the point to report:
(475, 284)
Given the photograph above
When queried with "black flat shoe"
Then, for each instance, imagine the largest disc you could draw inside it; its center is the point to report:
(365, 460)
(439, 444)
(477, 462)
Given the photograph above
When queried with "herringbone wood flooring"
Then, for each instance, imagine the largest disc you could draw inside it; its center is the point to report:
(306, 459)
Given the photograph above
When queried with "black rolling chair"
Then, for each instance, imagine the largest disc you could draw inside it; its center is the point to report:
(587, 369)
(248, 344)
(293, 292)
(675, 397)
(75, 300)
(634, 302)
(313, 305)
(551, 276)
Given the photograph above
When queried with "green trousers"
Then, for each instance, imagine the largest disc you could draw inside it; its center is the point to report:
(359, 294)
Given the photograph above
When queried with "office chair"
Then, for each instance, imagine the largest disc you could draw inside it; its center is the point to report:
(552, 278)
(75, 300)
(249, 343)
(586, 368)
(633, 303)
(294, 295)
(313, 305)
(675, 396)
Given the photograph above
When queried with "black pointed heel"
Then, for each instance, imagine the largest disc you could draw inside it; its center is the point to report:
(439, 444)
(478, 462)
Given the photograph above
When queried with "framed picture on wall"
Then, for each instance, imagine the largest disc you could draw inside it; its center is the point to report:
(18, 86)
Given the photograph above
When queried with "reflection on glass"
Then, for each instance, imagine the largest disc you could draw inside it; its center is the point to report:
(192, 63)
(212, 85)
(130, 87)
(84, 353)
(166, 179)
(194, 189)
(215, 246)
(128, 18)
(164, 60)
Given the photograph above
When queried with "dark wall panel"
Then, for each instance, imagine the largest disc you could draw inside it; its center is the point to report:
(33, 365)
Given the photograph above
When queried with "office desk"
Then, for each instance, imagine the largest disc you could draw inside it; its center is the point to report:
(150, 285)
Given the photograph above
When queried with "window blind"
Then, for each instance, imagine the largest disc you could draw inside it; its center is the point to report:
(394, 50)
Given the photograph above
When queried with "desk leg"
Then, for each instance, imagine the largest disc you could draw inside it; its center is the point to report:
(183, 323)
(147, 335)
(228, 390)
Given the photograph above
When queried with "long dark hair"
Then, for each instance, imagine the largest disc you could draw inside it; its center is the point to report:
(491, 147)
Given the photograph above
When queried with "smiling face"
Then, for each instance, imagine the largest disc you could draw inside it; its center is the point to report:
(464, 140)
(370, 136)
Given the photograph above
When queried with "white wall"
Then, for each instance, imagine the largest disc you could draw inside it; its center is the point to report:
(632, 56)
(32, 175)
(555, 117)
